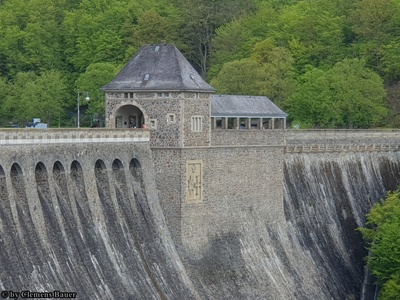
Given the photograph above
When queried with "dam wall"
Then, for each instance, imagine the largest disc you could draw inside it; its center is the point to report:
(316, 252)
(79, 214)
(238, 245)
(342, 140)
(271, 215)
(204, 190)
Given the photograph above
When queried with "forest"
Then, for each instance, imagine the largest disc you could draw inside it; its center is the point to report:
(382, 232)
(328, 63)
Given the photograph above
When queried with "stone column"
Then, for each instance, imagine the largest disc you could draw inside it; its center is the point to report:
(225, 123)
(237, 123)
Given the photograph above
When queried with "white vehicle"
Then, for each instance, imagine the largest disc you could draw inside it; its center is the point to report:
(36, 124)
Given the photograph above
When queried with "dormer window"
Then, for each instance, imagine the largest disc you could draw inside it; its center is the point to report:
(146, 77)
(157, 48)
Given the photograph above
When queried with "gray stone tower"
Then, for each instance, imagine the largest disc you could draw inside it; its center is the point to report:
(159, 88)
(198, 171)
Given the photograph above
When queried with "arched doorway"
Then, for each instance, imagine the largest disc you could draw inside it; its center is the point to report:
(129, 116)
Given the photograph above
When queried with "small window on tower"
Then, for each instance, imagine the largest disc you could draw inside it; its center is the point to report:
(171, 118)
(153, 124)
(197, 123)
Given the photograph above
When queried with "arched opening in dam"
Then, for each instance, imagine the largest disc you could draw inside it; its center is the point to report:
(129, 116)
(60, 180)
(135, 169)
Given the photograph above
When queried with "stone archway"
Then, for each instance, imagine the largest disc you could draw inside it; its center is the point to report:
(128, 116)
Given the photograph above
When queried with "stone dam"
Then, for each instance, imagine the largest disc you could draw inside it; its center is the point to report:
(102, 214)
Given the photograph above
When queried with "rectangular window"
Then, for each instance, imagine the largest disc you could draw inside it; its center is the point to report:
(159, 95)
(153, 123)
(197, 123)
(171, 118)
(166, 95)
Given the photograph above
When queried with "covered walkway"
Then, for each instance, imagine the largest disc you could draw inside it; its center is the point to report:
(245, 112)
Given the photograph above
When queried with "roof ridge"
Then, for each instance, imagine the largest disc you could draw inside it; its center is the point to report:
(179, 62)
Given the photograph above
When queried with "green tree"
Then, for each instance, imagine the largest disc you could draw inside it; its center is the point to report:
(241, 77)
(278, 66)
(313, 31)
(3, 96)
(153, 24)
(235, 40)
(346, 95)
(371, 19)
(383, 234)
(93, 33)
(96, 76)
(376, 24)
(201, 20)
(32, 96)
(46, 96)
(13, 106)
(31, 36)
(267, 72)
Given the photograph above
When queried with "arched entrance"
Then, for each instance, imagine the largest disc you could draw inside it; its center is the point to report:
(129, 116)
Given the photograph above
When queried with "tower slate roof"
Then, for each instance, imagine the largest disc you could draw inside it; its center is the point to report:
(159, 67)
(244, 107)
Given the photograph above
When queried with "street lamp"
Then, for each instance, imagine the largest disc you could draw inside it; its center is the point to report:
(79, 104)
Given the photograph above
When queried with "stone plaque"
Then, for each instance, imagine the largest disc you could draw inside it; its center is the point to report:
(194, 181)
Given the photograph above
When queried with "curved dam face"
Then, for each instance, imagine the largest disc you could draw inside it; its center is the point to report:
(85, 219)
(326, 199)
(316, 252)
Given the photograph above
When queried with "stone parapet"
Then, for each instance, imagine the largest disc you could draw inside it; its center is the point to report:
(298, 141)
(68, 135)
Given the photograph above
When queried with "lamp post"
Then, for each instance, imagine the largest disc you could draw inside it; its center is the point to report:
(79, 104)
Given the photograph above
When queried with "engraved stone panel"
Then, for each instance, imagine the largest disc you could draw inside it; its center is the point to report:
(194, 181)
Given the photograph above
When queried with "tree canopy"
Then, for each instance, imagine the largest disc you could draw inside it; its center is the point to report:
(383, 234)
(274, 48)
(347, 95)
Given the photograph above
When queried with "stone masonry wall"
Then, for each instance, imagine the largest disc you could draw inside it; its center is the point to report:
(165, 133)
(247, 137)
(236, 183)
(168, 174)
(197, 105)
(177, 106)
